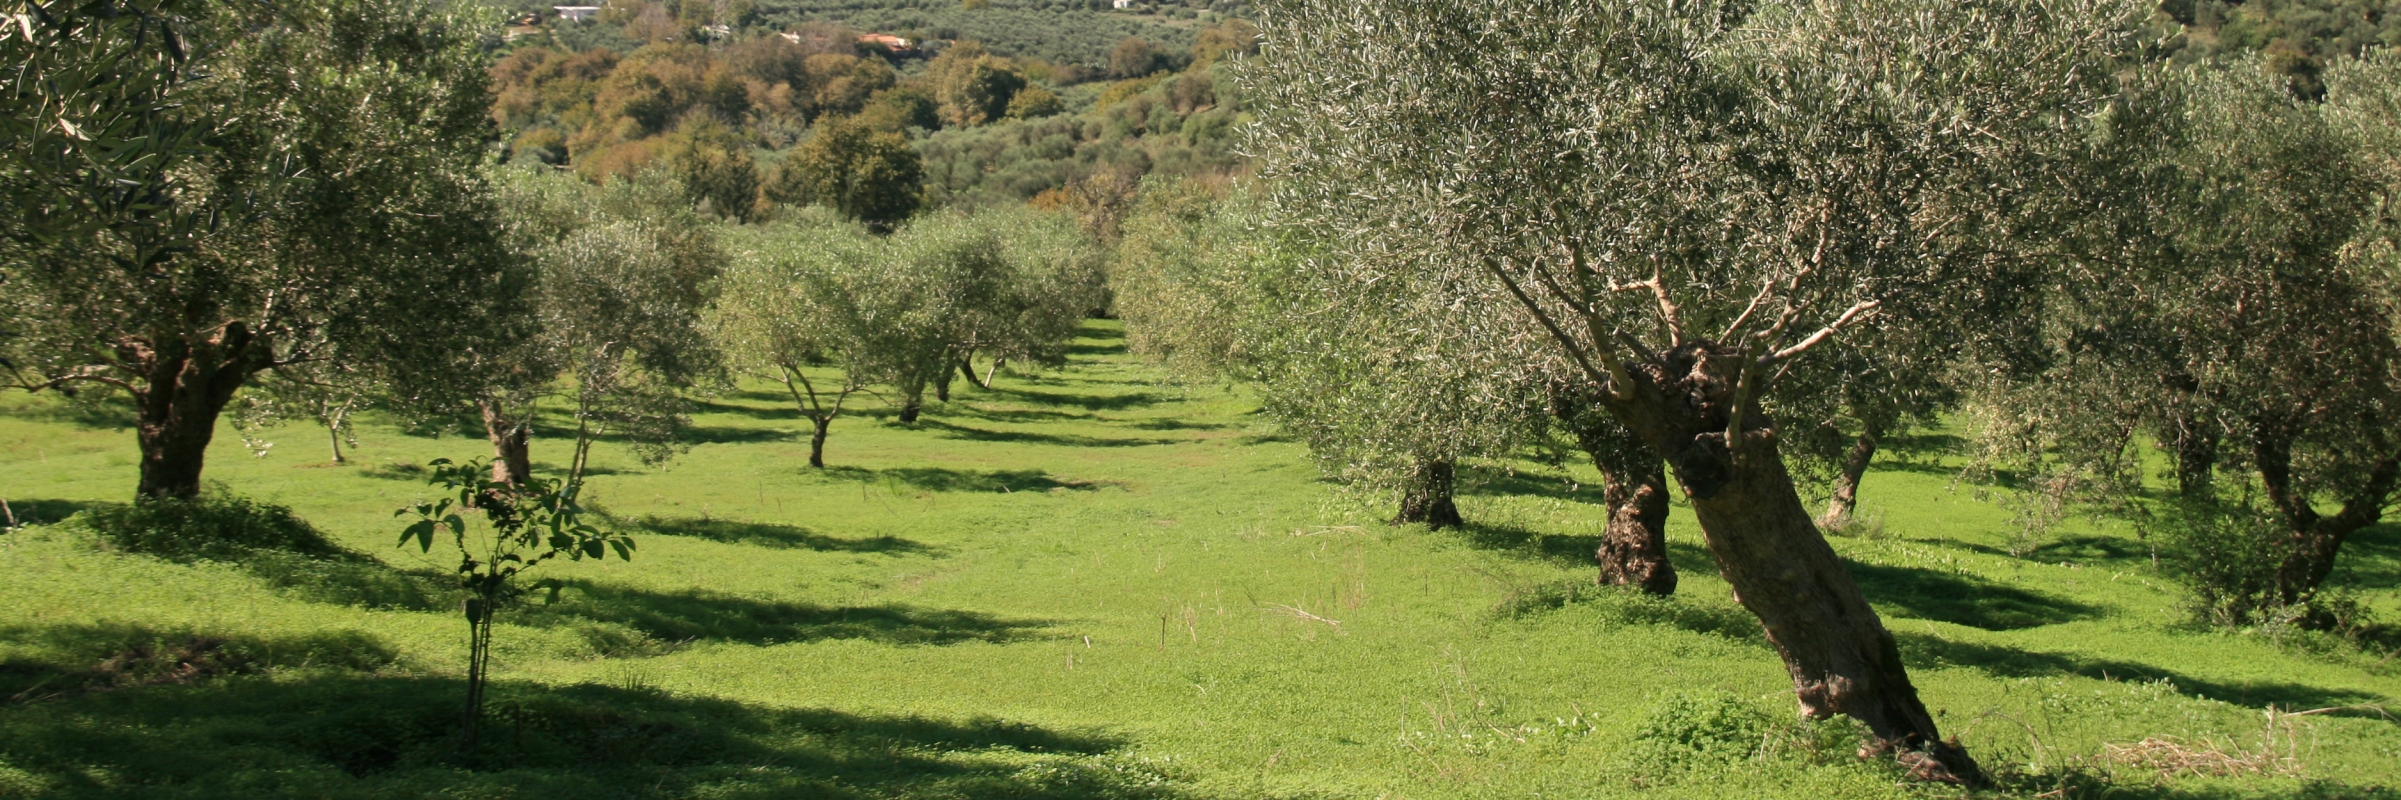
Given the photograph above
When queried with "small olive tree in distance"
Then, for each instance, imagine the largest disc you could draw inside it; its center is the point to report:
(301, 192)
(786, 310)
(501, 529)
(1689, 198)
(625, 272)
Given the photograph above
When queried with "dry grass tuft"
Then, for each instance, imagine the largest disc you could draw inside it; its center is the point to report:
(2173, 757)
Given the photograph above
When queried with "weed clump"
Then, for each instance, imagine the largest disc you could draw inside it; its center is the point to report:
(1712, 727)
(216, 526)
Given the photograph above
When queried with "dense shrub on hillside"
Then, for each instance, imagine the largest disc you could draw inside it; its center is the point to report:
(1066, 32)
(2299, 37)
(1172, 125)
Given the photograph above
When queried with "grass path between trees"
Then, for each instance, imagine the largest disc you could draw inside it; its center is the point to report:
(1089, 583)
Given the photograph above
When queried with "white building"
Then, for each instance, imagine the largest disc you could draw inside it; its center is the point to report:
(1122, 4)
(576, 13)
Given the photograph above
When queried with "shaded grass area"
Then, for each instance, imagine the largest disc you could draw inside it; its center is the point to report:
(701, 614)
(321, 734)
(774, 535)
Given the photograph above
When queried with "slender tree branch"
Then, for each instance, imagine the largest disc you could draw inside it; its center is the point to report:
(1574, 352)
(1856, 311)
(1765, 287)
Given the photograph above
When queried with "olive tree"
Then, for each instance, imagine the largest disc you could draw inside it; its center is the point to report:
(1025, 302)
(1687, 200)
(625, 272)
(275, 189)
(788, 309)
(2234, 302)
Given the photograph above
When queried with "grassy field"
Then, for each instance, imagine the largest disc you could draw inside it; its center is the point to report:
(1093, 583)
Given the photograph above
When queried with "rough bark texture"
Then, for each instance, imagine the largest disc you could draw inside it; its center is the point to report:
(1633, 548)
(942, 386)
(1634, 545)
(910, 409)
(186, 386)
(1854, 466)
(817, 441)
(1428, 498)
(2313, 539)
(1840, 656)
(512, 451)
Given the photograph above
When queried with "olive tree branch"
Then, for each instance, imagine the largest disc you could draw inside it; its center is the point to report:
(1609, 378)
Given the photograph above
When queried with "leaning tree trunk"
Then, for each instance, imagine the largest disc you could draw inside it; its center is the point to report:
(1428, 498)
(942, 386)
(1837, 650)
(2312, 540)
(512, 451)
(185, 389)
(1633, 548)
(1854, 466)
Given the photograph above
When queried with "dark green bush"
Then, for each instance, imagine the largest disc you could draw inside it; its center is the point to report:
(216, 526)
(2225, 554)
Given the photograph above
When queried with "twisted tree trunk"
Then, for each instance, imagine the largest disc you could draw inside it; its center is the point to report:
(512, 452)
(187, 383)
(1428, 498)
(2312, 540)
(1633, 548)
(821, 425)
(1840, 656)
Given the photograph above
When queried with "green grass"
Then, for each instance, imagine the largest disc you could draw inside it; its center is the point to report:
(1089, 583)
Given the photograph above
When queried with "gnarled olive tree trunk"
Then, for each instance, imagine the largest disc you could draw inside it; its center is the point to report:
(1428, 496)
(1633, 548)
(1841, 658)
(187, 382)
(512, 451)
(2312, 540)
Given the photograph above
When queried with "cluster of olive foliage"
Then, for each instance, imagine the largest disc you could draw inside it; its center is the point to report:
(205, 193)
(827, 309)
(2228, 301)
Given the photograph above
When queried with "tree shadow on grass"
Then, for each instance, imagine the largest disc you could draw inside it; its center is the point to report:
(2085, 549)
(1519, 483)
(44, 512)
(51, 661)
(321, 733)
(1925, 651)
(1534, 545)
(786, 412)
(1170, 424)
(1109, 402)
(700, 614)
(774, 536)
(936, 479)
(1018, 416)
(1962, 599)
(1020, 437)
